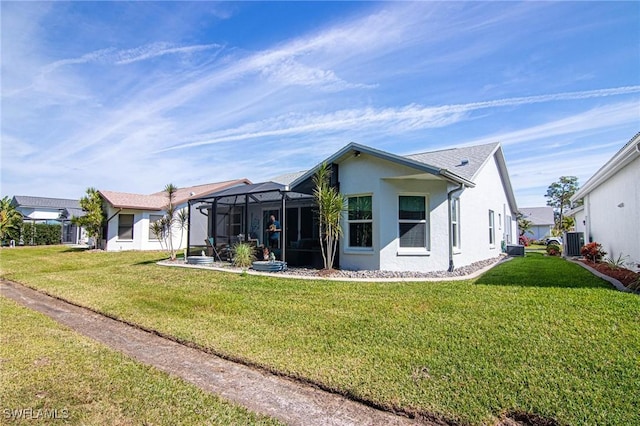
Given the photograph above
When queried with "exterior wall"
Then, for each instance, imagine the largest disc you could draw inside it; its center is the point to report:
(475, 204)
(367, 175)
(612, 213)
(140, 239)
(539, 232)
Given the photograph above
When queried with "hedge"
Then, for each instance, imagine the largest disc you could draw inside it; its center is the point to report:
(43, 234)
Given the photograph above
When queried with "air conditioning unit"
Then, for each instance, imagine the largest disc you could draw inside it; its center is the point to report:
(573, 242)
(515, 250)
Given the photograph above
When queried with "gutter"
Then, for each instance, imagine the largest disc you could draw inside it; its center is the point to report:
(449, 196)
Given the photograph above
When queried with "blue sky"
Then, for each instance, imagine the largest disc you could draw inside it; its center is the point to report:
(130, 96)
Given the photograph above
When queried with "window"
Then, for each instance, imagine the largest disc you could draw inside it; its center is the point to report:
(455, 222)
(360, 221)
(492, 232)
(412, 221)
(153, 218)
(125, 226)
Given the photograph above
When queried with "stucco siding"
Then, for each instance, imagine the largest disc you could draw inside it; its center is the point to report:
(475, 204)
(141, 240)
(613, 213)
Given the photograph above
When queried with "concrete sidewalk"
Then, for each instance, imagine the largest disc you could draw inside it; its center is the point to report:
(290, 401)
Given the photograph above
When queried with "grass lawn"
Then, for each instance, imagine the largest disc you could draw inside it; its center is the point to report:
(53, 375)
(536, 334)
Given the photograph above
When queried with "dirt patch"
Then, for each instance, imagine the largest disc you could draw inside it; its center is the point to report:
(627, 277)
(522, 418)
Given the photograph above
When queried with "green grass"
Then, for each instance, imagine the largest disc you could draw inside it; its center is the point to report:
(52, 375)
(536, 334)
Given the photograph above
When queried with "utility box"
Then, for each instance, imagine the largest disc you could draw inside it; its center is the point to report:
(515, 250)
(573, 242)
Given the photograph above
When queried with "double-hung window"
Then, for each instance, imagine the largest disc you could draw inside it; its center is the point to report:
(492, 229)
(412, 222)
(360, 221)
(125, 227)
(455, 222)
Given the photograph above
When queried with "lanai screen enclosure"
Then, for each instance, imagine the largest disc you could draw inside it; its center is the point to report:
(241, 213)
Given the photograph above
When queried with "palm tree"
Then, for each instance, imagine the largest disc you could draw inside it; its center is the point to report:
(330, 204)
(10, 220)
(169, 221)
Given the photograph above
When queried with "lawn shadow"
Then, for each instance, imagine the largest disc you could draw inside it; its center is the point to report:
(539, 270)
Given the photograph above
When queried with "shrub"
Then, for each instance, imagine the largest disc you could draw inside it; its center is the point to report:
(616, 263)
(40, 234)
(524, 240)
(243, 255)
(593, 252)
(553, 250)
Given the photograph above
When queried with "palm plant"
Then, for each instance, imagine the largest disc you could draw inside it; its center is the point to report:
(330, 206)
(10, 220)
(243, 255)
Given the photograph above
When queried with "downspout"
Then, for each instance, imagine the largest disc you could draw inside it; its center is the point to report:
(449, 196)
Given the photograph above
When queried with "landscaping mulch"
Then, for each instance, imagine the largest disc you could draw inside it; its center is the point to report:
(627, 277)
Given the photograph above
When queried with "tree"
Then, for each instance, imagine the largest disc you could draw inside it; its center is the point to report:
(330, 204)
(10, 220)
(559, 194)
(524, 225)
(93, 220)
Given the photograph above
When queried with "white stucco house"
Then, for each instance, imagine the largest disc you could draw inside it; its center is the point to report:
(610, 214)
(129, 216)
(53, 211)
(542, 221)
(430, 211)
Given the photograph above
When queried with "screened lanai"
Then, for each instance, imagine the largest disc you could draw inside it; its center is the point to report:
(241, 214)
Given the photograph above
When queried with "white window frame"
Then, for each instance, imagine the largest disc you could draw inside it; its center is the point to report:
(427, 237)
(492, 229)
(455, 222)
(349, 247)
(133, 225)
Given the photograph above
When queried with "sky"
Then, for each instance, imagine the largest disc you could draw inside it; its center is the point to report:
(131, 96)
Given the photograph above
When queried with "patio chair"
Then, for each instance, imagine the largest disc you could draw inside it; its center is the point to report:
(211, 248)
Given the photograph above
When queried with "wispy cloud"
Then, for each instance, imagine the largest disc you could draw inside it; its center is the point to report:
(413, 117)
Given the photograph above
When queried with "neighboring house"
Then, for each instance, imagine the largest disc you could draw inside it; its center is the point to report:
(542, 221)
(611, 204)
(52, 211)
(431, 211)
(129, 216)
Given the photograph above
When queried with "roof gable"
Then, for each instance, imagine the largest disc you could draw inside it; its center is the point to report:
(628, 153)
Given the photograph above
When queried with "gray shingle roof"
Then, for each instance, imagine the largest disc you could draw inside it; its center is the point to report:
(452, 159)
(44, 202)
(287, 178)
(538, 215)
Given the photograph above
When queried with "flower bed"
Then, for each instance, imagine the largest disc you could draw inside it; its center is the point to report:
(627, 277)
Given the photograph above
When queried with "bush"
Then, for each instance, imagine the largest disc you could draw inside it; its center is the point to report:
(40, 234)
(553, 250)
(524, 240)
(243, 255)
(593, 252)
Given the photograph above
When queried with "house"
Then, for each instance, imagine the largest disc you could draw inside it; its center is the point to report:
(610, 214)
(429, 211)
(52, 211)
(129, 216)
(542, 221)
